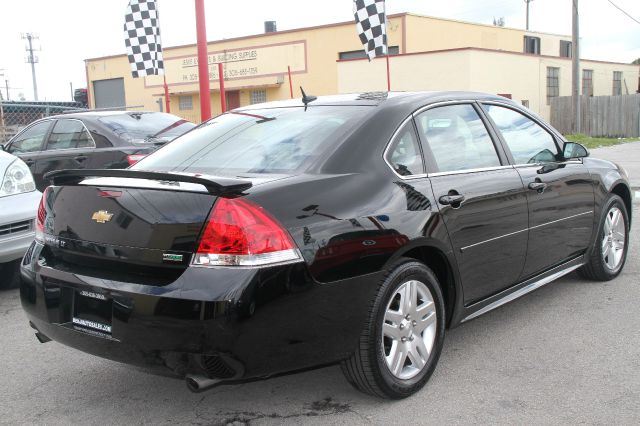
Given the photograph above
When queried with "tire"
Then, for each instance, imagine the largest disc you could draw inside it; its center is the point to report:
(369, 369)
(609, 252)
(10, 275)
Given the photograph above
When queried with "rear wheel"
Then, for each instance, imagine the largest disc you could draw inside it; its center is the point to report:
(9, 275)
(403, 335)
(609, 253)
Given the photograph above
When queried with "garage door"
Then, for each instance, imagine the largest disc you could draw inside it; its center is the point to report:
(109, 93)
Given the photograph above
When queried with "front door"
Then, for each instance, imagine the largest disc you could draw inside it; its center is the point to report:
(481, 199)
(233, 99)
(559, 193)
(28, 146)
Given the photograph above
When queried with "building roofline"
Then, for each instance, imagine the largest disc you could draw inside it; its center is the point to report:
(481, 49)
(259, 35)
(323, 26)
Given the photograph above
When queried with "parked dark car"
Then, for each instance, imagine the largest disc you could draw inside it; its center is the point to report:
(353, 229)
(113, 139)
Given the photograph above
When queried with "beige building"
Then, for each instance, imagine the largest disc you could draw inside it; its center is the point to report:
(427, 54)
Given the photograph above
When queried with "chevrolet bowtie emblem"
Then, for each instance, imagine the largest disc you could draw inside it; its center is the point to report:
(102, 216)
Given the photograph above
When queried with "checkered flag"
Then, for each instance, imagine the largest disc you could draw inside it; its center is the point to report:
(142, 37)
(371, 22)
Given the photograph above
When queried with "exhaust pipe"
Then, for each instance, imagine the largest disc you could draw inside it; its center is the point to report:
(197, 383)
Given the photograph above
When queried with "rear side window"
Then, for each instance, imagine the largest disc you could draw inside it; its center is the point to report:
(278, 140)
(68, 134)
(527, 140)
(457, 138)
(404, 154)
(31, 139)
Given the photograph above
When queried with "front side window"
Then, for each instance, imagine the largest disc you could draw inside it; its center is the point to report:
(278, 140)
(457, 138)
(67, 134)
(31, 139)
(404, 154)
(528, 142)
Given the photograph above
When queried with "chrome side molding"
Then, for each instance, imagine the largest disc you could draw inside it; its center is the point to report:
(543, 279)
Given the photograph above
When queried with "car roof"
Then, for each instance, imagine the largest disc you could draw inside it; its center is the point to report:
(91, 115)
(381, 99)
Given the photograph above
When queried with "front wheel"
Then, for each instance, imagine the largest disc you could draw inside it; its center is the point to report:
(403, 335)
(609, 253)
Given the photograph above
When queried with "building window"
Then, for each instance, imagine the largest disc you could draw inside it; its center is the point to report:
(185, 103)
(525, 103)
(565, 49)
(617, 83)
(258, 96)
(587, 82)
(532, 45)
(360, 54)
(553, 83)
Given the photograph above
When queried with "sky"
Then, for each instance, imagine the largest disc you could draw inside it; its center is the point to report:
(73, 30)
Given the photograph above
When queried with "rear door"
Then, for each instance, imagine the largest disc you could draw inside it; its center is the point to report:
(481, 199)
(69, 146)
(559, 193)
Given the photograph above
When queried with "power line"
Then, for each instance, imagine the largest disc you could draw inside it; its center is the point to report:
(623, 11)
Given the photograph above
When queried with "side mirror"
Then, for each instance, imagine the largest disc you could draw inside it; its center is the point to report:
(574, 150)
(2, 147)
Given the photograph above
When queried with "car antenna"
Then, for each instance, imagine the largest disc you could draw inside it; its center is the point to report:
(306, 100)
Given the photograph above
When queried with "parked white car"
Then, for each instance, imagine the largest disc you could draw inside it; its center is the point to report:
(19, 201)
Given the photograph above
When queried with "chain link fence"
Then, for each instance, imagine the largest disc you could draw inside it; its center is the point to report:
(15, 116)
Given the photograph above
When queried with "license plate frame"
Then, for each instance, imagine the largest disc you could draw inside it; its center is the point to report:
(93, 311)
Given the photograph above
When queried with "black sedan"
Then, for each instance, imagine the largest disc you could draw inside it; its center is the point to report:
(350, 229)
(105, 139)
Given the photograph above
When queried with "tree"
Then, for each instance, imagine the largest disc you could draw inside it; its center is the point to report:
(636, 62)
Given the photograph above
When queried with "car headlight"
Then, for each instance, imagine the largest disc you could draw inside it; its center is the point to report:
(17, 179)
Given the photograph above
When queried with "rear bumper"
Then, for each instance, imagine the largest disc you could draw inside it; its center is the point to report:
(16, 209)
(225, 323)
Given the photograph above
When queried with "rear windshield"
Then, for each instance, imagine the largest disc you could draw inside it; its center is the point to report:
(146, 126)
(279, 140)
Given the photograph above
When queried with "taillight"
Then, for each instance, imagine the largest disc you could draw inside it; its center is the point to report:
(42, 217)
(134, 158)
(241, 233)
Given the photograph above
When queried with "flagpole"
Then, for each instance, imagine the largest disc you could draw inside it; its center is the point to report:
(203, 62)
(388, 72)
(167, 103)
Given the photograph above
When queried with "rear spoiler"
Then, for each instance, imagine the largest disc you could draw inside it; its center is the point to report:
(215, 185)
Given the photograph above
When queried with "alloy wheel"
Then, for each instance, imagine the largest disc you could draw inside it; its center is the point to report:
(614, 238)
(409, 329)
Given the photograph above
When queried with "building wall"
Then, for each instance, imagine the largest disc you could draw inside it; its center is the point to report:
(323, 45)
(524, 77)
(427, 33)
(549, 43)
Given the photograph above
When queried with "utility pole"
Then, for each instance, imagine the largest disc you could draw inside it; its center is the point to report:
(576, 65)
(33, 60)
(527, 2)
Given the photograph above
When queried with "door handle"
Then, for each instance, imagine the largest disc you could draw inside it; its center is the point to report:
(538, 186)
(80, 158)
(451, 200)
(29, 162)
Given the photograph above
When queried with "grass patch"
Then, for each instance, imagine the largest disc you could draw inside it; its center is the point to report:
(590, 142)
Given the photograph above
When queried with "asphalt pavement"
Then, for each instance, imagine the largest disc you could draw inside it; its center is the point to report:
(568, 353)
